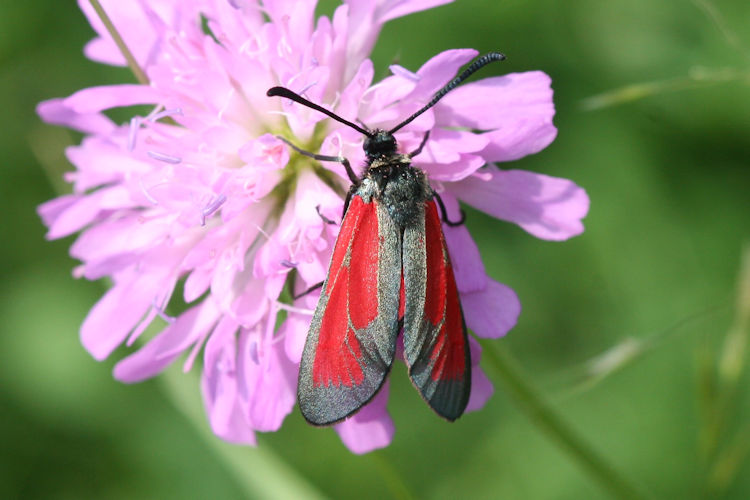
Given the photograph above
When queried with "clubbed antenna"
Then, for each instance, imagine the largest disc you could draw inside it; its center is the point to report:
(478, 63)
(284, 92)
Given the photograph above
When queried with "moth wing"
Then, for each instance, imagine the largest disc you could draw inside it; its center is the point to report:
(436, 346)
(352, 339)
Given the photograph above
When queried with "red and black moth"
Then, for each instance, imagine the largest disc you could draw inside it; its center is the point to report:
(390, 270)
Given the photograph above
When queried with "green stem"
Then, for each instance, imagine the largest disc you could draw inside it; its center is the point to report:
(391, 477)
(140, 75)
(540, 413)
(259, 471)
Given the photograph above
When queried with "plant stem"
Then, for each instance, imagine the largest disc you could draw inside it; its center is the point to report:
(541, 415)
(140, 75)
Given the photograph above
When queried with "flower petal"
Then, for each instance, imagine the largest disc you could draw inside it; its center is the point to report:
(267, 383)
(116, 313)
(550, 208)
(391, 9)
(162, 350)
(492, 312)
(481, 387)
(465, 259)
(219, 386)
(96, 99)
(517, 108)
(56, 112)
(481, 390)
(369, 429)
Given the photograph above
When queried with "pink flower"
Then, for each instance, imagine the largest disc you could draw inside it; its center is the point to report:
(200, 197)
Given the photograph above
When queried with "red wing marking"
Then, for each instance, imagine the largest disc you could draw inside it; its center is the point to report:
(352, 339)
(442, 307)
(435, 343)
(352, 298)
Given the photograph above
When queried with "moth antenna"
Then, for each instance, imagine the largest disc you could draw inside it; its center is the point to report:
(284, 92)
(478, 63)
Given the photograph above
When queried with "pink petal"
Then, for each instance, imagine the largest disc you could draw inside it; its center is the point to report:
(492, 312)
(369, 429)
(197, 283)
(219, 386)
(294, 330)
(267, 383)
(114, 316)
(133, 23)
(497, 101)
(95, 99)
(440, 69)
(86, 209)
(481, 387)
(519, 140)
(465, 259)
(517, 109)
(550, 208)
(56, 112)
(49, 211)
(162, 350)
(481, 390)
(391, 9)
(75, 217)
(188, 328)
(466, 165)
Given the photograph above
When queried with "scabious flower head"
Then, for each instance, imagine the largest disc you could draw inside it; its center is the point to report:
(200, 196)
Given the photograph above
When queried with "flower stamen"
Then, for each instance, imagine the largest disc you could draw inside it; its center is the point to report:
(165, 113)
(212, 207)
(174, 160)
(135, 125)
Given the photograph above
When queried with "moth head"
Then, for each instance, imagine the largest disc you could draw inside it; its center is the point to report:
(381, 143)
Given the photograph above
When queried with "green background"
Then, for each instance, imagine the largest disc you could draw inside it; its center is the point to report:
(668, 179)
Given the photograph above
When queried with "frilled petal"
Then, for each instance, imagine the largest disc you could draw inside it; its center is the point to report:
(441, 69)
(465, 259)
(267, 382)
(162, 350)
(296, 326)
(492, 312)
(515, 109)
(481, 387)
(219, 386)
(57, 112)
(391, 9)
(50, 210)
(85, 209)
(139, 25)
(369, 429)
(113, 317)
(550, 208)
(96, 99)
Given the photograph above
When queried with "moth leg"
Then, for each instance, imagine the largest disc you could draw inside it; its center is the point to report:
(309, 290)
(444, 214)
(339, 159)
(421, 145)
(347, 200)
(323, 217)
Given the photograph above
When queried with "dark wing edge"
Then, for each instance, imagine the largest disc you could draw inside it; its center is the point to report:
(436, 346)
(352, 338)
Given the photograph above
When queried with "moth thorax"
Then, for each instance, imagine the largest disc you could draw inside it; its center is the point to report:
(404, 194)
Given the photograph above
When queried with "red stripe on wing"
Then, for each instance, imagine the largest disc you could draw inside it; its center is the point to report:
(442, 304)
(352, 298)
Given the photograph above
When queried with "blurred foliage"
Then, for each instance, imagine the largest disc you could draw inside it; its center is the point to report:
(624, 328)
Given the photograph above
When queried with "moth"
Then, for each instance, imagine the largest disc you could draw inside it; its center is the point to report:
(390, 270)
